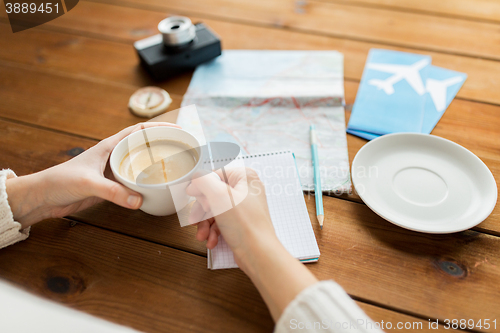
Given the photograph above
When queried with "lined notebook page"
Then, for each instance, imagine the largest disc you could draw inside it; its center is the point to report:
(287, 207)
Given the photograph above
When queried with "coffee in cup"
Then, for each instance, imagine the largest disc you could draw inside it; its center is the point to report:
(158, 162)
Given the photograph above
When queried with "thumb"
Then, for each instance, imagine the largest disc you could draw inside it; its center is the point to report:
(116, 193)
(217, 192)
(206, 184)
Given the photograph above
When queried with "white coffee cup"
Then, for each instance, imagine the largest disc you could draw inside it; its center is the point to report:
(158, 199)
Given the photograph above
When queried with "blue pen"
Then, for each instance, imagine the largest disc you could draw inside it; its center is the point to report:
(317, 178)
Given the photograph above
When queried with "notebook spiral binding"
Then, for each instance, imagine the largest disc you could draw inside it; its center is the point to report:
(247, 156)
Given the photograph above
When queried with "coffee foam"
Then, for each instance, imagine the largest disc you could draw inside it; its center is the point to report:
(158, 162)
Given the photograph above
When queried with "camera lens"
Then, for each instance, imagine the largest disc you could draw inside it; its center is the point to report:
(177, 30)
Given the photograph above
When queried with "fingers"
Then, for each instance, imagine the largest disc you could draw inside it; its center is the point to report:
(219, 196)
(116, 193)
(140, 126)
(215, 195)
(193, 191)
(203, 230)
(209, 231)
(213, 237)
(207, 185)
(197, 213)
(231, 176)
(238, 178)
(110, 143)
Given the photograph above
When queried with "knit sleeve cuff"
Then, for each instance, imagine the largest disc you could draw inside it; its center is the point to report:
(10, 231)
(324, 307)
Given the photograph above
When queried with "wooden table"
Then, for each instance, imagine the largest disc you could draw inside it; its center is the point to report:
(65, 85)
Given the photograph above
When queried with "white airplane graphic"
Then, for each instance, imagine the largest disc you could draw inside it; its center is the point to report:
(437, 90)
(410, 73)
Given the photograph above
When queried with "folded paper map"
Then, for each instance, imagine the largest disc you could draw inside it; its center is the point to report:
(266, 100)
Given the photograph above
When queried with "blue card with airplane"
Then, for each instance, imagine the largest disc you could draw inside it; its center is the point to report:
(442, 85)
(390, 95)
(401, 92)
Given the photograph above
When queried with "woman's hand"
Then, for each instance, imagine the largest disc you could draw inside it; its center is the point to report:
(240, 225)
(72, 186)
(248, 230)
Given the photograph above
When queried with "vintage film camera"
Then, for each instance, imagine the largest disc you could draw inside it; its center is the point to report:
(179, 47)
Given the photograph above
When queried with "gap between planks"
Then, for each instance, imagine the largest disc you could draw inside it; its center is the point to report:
(407, 313)
(73, 219)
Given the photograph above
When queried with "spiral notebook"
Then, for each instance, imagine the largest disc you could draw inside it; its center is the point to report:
(278, 172)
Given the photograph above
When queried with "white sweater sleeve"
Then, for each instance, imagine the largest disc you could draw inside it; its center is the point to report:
(324, 307)
(10, 230)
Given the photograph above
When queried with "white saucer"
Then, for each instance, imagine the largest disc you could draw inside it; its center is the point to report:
(424, 183)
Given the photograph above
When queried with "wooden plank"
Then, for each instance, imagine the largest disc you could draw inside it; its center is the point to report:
(93, 19)
(90, 108)
(473, 127)
(481, 10)
(164, 230)
(414, 30)
(381, 315)
(27, 150)
(146, 286)
(79, 57)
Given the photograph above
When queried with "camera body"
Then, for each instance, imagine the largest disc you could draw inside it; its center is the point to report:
(179, 47)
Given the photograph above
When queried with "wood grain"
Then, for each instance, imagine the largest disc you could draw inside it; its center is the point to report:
(381, 315)
(26, 149)
(480, 10)
(82, 58)
(163, 230)
(131, 24)
(409, 29)
(89, 108)
(136, 283)
(143, 285)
